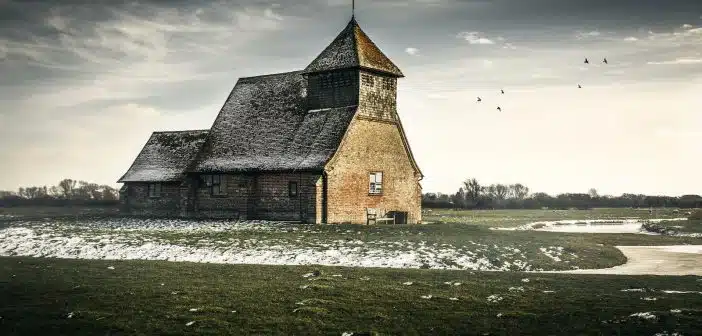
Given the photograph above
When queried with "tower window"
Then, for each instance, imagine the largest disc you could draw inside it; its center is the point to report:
(326, 81)
(367, 80)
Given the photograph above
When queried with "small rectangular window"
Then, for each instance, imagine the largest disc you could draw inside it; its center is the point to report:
(154, 190)
(219, 187)
(376, 183)
(216, 184)
(292, 189)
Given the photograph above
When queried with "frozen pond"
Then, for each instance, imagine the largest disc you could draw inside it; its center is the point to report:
(629, 225)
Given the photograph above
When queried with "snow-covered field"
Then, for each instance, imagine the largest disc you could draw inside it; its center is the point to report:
(277, 243)
(248, 242)
(627, 225)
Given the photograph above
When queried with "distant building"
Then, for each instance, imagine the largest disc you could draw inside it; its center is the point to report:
(321, 145)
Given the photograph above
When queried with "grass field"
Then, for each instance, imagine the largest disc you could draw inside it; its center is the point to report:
(51, 296)
(469, 244)
(509, 218)
(693, 226)
(415, 279)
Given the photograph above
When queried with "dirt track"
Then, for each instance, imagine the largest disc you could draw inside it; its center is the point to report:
(655, 260)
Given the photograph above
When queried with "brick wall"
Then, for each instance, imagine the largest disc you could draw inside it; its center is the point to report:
(372, 145)
(138, 202)
(332, 89)
(273, 201)
(232, 204)
(378, 96)
(260, 196)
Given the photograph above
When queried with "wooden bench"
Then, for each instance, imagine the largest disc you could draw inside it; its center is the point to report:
(377, 215)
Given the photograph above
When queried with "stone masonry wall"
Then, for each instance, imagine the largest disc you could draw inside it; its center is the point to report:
(138, 202)
(378, 96)
(332, 89)
(369, 146)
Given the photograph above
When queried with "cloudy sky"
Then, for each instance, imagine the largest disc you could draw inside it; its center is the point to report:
(84, 83)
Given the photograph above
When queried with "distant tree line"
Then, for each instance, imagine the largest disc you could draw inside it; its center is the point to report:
(473, 195)
(66, 192)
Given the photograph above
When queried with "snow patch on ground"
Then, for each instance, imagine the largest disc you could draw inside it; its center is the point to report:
(553, 252)
(127, 239)
(680, 292)
(645, 316)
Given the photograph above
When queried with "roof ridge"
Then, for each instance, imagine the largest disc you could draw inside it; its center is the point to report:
(357, 55)
(183, 131)
(272, 74)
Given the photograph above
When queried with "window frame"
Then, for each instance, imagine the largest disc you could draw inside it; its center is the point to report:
(216, 184)
(293, 192)
(373, 183)
(155, 189)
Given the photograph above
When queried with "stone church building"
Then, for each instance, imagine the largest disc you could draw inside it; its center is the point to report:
(320, 145)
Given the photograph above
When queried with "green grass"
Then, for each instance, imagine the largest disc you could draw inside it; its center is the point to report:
(70, 212)
(689, 226)
(513, 217)
(155, 298)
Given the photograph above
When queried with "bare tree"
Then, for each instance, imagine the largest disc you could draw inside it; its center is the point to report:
(501, 191)
(593, 193)
(518, 191)
(54, 192)
(109, 193)
(67, 187)
(472, 191)
(6, 193)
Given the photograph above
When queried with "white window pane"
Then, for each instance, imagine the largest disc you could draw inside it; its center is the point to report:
(379, 177)
(372, 177)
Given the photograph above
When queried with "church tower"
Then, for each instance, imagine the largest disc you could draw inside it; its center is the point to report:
(353, 71)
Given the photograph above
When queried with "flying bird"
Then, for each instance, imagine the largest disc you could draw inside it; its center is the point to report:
(586, 61)
(579, 87)
(479, 100)
(605, 60)
(503, 91)
(499, 109)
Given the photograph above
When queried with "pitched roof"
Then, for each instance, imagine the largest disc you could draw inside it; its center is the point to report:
(165, 156)
(350, 49)
(265, 126)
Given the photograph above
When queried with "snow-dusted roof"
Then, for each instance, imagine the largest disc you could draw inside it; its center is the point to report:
(165, 156)
(352, 48)
(265, 126)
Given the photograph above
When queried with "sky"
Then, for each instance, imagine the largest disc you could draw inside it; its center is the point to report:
(84, 83)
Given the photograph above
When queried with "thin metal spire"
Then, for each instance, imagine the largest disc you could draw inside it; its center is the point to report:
(353, 9)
